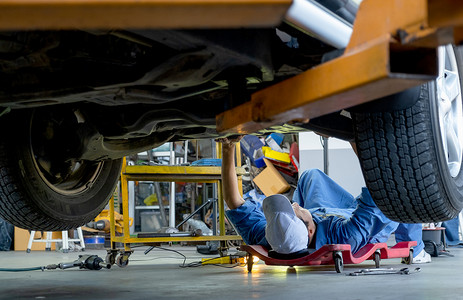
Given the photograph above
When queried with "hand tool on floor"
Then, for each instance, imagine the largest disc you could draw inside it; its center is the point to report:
(90, 262)
(403, 271)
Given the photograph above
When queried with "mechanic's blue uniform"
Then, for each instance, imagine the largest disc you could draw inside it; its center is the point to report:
(340, 218)
(452, 237)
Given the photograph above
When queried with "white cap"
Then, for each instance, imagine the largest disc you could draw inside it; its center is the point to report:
(285, 232)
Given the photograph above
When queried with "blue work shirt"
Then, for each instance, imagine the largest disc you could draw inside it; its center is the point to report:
(250, 222)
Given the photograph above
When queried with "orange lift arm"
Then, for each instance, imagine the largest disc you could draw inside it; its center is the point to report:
(392, 48)
(161, 14)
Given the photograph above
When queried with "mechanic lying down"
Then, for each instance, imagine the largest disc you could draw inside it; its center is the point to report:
(322, 213)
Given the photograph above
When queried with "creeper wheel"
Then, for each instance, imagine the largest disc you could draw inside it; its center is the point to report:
(250, 262)
(338, 262)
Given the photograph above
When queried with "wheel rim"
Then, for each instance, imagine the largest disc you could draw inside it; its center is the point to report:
(450, 109)
(64, 176)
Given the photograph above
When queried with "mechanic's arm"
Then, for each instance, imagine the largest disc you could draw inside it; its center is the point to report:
(231, 192)
(248, 219)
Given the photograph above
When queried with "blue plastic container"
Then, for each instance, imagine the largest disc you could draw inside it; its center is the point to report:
(249, 144)
(277, 137)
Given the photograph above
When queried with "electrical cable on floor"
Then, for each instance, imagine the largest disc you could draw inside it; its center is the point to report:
(93, 262)
(233, 259)
(229, 261)
(157, 258)
(172, 250)
(208, 262)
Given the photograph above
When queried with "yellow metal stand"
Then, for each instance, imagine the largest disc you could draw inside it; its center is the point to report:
(203, 174)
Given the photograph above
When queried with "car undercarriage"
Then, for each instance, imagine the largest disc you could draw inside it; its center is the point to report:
(75, 102)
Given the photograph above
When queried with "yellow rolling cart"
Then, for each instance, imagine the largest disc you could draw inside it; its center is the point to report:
(203, 174)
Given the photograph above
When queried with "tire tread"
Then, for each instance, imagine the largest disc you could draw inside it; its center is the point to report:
(399, 169)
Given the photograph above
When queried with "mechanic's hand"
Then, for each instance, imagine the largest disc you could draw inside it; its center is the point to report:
(297, 209)
(229, 142)
(302, 213)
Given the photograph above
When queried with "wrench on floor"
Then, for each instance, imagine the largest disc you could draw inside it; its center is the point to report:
(403, 271)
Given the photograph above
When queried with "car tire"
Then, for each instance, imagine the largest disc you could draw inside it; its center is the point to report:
(411, 159)
(32, 201)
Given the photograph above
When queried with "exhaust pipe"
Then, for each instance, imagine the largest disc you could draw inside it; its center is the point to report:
(315, 20)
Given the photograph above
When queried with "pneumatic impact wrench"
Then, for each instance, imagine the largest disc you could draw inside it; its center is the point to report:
(90, 262)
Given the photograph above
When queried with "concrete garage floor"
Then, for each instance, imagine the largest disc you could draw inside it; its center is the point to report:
(158, 276)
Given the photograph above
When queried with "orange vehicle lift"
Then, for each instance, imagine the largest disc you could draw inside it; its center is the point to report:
(392, 48)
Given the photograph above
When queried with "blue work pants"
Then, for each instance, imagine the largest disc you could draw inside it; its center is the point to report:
(364, 222)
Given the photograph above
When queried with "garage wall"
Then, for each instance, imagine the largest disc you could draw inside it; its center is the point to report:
(343, 166)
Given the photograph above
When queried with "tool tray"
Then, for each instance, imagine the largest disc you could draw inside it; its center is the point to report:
(335, 254)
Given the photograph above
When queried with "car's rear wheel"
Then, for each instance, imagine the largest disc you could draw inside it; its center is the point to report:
(412, 158)
(41, 187)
